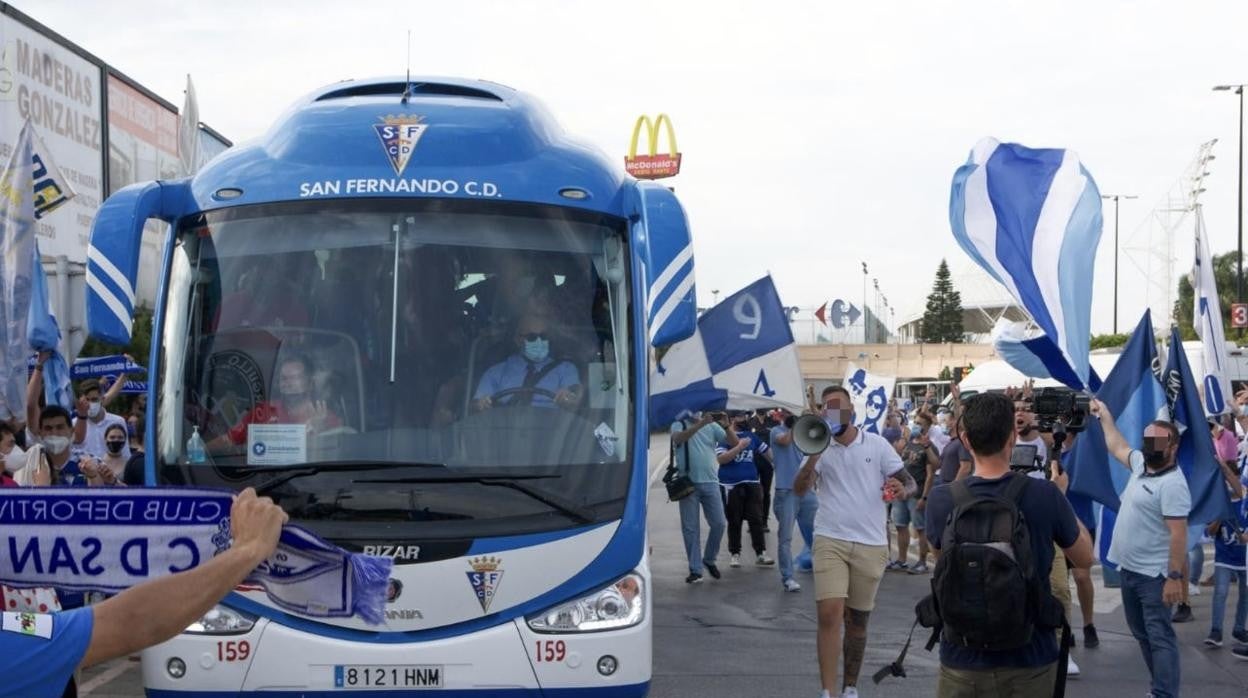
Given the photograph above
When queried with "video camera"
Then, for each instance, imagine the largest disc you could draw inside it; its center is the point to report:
(1060, 409)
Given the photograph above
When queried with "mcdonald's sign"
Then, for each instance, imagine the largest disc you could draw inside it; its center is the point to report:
(653, 165)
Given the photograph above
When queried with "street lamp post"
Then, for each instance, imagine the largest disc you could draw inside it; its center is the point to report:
(866, 338)
(1239, 260)
(875, 308)
(1116, 197)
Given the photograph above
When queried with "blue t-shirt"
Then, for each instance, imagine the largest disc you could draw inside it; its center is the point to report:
(1228, 551)
(40, 651)
(702, 466)
(1050, 520)
(511, 372)
(787, 459)
(743, 467)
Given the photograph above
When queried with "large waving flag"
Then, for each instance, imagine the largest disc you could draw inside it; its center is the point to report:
(1207, 315)
(1133, 395)
(1197, 458)
(18, 257)
(741, 357)
(1031, 218)
(870, 394)
(31, 187)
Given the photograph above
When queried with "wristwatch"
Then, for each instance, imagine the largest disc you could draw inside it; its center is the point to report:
(1175, 575)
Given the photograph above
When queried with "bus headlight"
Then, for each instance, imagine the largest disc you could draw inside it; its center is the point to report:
(621, 604)
(222, 620)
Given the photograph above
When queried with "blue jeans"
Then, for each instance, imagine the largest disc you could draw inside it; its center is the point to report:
(1195, 562)
(1222, 577)
(791, 508)
(707, 496)
(1149, 619)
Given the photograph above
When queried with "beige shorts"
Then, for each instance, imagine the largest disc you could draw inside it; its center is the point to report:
(850, 571)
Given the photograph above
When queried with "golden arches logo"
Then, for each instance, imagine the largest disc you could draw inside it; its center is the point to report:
(652, 165)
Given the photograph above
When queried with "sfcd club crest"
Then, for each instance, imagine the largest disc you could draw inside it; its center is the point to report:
(399, 135)
(485, 577)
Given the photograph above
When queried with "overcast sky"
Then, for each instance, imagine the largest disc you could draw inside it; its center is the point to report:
(814, 134)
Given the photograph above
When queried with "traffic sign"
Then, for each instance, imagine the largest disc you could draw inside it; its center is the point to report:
(1239, 315)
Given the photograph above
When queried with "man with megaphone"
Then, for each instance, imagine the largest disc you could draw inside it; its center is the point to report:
(856, 474)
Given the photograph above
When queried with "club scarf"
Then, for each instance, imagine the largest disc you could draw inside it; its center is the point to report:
(110, 539)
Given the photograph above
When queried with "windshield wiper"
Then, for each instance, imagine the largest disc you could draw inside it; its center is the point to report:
(289, 473)
(511, 482)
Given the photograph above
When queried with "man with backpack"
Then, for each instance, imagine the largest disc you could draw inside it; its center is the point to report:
(991, 597)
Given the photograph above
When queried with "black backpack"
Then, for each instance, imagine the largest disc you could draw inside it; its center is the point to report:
(986, 592)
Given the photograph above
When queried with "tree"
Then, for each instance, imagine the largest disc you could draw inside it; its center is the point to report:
(942, 321)
(1106, 341)
(1224, 277)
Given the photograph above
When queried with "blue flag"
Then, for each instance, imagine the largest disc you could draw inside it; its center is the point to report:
(1197, 458)
(1031, 218)
(1133, 395)
(742, 356)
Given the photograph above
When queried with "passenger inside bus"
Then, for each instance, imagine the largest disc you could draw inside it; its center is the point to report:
(296, 403)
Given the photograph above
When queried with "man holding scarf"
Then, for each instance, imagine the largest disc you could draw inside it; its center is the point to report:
(39, 652)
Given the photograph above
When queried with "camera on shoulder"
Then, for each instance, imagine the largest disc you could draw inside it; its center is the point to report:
(1060, 409)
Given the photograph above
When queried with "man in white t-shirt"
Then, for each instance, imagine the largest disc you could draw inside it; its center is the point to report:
(93, 420)
(854, 475)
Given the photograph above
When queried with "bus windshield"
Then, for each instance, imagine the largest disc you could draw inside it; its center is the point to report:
(398, 369)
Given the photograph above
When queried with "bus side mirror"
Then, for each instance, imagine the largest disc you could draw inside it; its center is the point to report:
(113, 256)
(671, 309)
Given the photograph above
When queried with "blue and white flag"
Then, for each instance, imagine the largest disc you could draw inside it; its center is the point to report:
(1207, 316)
(1031, 218)
(1036, 357)
(44, 335)
(1133, 395)
(1197, 458)
(18, 258)
(870, 394)
(112, 538)
(741, 357)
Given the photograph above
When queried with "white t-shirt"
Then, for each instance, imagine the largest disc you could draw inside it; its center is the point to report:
(93, 443)
(938, 438)
(1042, 452)
(850, 481)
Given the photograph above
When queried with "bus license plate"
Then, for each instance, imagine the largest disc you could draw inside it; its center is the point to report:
(388, 676)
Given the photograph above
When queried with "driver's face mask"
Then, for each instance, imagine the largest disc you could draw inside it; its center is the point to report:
(537, 349)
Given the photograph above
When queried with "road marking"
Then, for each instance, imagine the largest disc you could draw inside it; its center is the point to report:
(122, 666)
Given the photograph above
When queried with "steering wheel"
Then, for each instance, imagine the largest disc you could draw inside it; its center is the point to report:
(508, 392)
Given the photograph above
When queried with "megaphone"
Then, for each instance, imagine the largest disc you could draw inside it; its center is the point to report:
(811, 434)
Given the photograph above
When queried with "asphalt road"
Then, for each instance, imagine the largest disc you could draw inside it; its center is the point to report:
(744, 636)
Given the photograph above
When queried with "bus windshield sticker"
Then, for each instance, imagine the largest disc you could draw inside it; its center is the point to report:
(277, 444)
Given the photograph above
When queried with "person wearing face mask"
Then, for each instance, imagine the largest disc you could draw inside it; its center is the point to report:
(295, 404)
(1150, 542)
(790, 508)
(13, 456)
(93, 419)
(530, 376)
(743, 494)
(921, 462)
(115, 442)
(855, 474)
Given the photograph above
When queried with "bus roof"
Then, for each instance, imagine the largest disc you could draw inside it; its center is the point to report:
(449, 138)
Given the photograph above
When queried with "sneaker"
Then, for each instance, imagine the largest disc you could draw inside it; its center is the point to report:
(918, 568)
(895, 566)
(1192, 589)
(764, 559)
(1183, 614)
(712, 569)
(1240, 635)
(1072, 669)
(693, 579)
(849, 692)
(1090, 639)
(1214, 639)
(1240, 652)
(735, 561)
(792, 585)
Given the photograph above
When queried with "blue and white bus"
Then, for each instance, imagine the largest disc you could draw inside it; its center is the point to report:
(347, 307)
